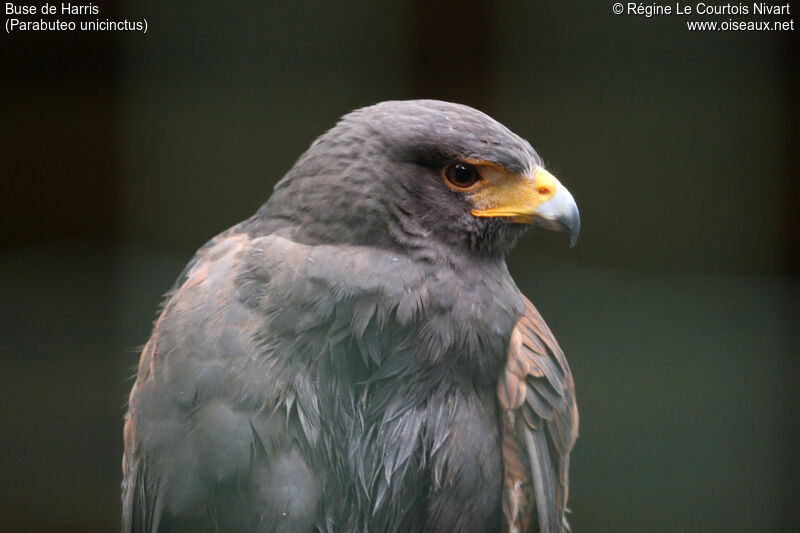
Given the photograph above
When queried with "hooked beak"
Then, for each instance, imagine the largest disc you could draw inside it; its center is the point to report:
(541, 200)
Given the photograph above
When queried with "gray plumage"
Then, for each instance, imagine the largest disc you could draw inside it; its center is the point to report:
(332, 363)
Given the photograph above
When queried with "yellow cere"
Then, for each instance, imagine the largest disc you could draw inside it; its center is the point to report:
(512, 195)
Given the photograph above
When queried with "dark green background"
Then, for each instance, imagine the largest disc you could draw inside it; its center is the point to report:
(122, 153)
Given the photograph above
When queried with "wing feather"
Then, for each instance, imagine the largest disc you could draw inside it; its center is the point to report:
(539, 427)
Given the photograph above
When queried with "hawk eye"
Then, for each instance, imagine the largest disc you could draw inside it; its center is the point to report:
(461, 176)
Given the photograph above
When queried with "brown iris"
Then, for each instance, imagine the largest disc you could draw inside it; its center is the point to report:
(461, 176)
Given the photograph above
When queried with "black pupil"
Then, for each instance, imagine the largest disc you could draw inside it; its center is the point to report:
(463, 175)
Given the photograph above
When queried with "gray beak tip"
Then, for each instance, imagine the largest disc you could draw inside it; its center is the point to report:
(560, 213)
(574, 227)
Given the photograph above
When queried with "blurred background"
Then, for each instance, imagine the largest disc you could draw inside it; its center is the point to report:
(123, 152)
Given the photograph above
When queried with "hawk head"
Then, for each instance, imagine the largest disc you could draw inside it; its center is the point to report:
(422, 175)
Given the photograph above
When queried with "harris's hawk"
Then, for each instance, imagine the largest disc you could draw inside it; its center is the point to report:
(356, 356)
